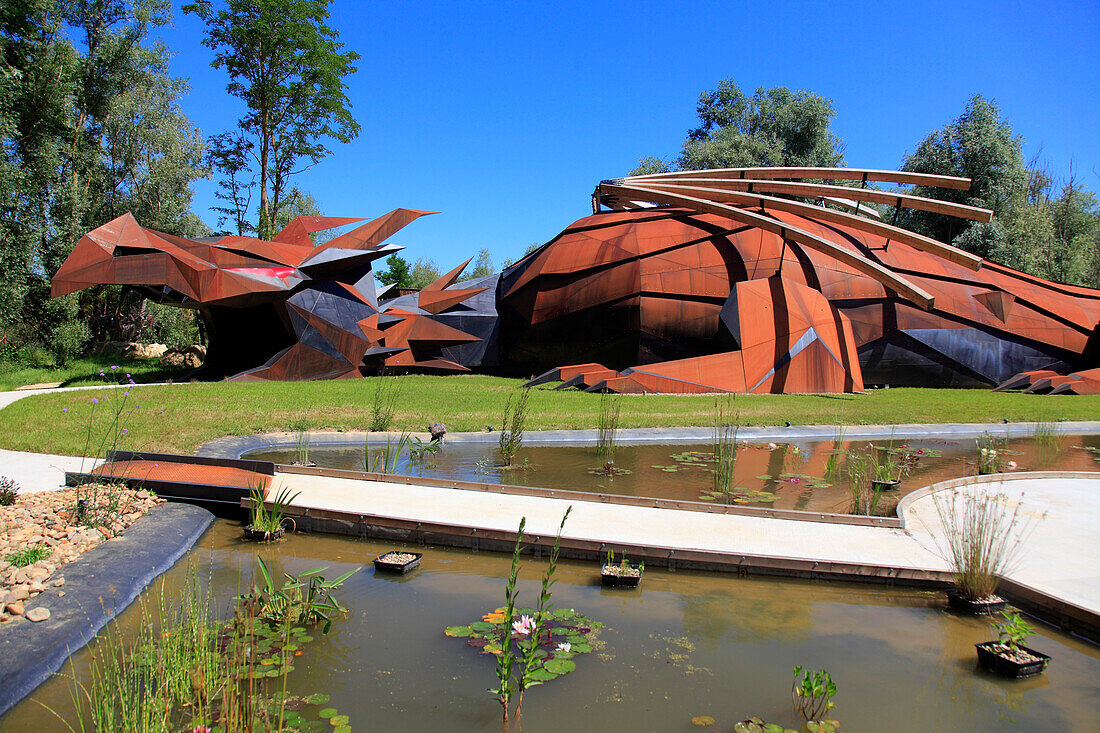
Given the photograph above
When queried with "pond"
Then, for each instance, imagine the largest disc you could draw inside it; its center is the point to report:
(683, 644)
(779, 475)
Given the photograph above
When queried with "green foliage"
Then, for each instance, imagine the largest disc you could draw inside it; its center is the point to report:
(541, 644)
(812, 693)
(263, 519)
(385, 460)
(860, 465)
(285, 64)
(305, 598)
(29, 556)
(774, 127)
(387, 390)
(398, 273)
(1012, 631)
(512, 424)
(91, 128)
(648, 165)
(424, 272)
(483, 266)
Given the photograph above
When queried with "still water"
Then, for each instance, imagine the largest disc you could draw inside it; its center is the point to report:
(784, 476)
(683, 644)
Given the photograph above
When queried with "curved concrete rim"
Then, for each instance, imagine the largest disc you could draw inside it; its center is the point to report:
(235, 446)
(986, 479)
(98, 585)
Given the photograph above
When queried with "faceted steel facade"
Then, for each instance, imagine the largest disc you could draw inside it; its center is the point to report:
(744, 280)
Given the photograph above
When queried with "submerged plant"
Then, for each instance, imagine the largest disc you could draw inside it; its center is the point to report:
(608, 425)
(983, 535)
(387, 390)
(512, 423)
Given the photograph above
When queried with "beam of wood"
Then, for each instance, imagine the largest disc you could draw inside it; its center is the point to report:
(849, 205)
(824, 174)
(872, 226)
(816, 190)
(854, 260)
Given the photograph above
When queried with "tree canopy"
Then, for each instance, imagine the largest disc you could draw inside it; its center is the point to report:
(286, 65)
(773, 127)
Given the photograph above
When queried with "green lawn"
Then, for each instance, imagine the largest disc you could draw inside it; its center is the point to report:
(179, 418)
(84, 370)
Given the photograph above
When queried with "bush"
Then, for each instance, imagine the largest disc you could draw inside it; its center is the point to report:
(171, 326)
(9, 491)
(68, 339)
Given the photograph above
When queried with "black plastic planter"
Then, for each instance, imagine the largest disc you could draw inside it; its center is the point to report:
(392, 562)
(885, 485)
(989, 658)
(983, 607)
(614, 578)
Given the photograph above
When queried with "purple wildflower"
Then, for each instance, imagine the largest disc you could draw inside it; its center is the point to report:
(64, 409)
(127, 393)
(125, 430)
(113, 367)
(95, 400)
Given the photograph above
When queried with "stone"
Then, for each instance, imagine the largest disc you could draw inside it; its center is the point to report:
(38, 614)
(36, 587)
(57, 583)
(19, 593)
(15, 609)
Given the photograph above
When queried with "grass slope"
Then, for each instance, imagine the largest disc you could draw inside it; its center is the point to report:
(178, 418)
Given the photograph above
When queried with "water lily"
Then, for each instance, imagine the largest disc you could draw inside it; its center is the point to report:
(564, 646)
(1011, 465)
(525, 625)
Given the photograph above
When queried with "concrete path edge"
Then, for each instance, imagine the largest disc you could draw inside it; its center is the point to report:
(99, 585)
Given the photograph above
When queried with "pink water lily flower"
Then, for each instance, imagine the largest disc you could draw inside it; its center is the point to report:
(525, 626)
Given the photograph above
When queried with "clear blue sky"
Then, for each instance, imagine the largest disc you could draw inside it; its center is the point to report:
(504, 116)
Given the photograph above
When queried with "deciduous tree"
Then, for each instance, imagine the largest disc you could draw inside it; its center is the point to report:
(286, 65)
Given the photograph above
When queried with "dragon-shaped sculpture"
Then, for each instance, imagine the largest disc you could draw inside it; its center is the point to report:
(742, 280)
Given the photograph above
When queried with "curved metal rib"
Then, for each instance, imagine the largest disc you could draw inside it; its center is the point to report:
(824, 174)
(872, 226)
(872, 269)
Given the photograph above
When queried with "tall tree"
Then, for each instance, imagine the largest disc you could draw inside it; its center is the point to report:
(774, 127)
(286, 65)
(424, 272)
(91, 128)
(397, 273)
(980, 145)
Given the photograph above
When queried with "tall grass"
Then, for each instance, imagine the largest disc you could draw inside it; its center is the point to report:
(832, 465)
(263, 519)
(860, 467)
(983, 535)
(512, 424)
(608, 425)
(301, 441)
(725, 444)
(387, 390)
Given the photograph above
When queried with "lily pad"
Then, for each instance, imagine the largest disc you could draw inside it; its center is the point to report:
(326, 713)
(703, 720)
(318, 698)
(460, 631)
(558, 665)
(339, 720)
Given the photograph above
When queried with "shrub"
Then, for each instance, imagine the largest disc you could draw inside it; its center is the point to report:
(9, 491)
(68, 339)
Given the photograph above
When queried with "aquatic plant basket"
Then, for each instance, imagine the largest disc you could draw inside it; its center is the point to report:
(259, 535)
(982, 607)
(886, 485)
(389, 563)
(612, 578)
(995, 662)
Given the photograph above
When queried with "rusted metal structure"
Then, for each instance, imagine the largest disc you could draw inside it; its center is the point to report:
(740, 280)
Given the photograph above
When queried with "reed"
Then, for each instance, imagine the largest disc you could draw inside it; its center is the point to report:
(608, 424)
(724, 444)
(832, 465)
(512, 424)
(983, 535)
(860, 467)
(387, 390)
(264, 519)
(386, 459)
